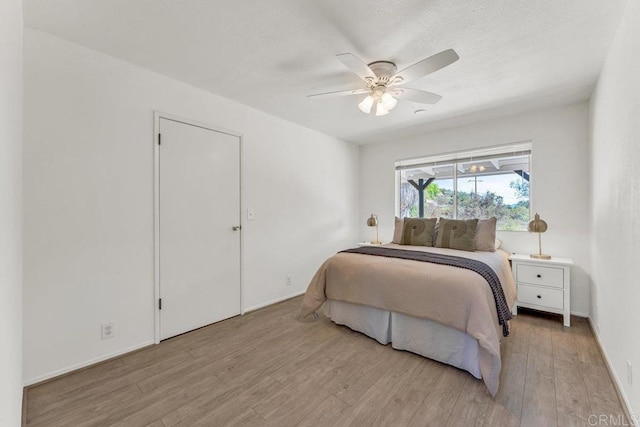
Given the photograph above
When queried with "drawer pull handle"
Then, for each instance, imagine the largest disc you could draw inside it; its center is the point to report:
(540, 296)
(539, 275)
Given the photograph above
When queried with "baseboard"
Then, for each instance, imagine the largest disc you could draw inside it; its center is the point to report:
(84, 364)
(275, 301)
(626, 406)
(579, 314)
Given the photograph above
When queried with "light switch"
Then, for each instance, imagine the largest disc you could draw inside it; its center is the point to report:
(251, 215)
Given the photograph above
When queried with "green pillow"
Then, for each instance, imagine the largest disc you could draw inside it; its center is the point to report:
(418, 231)
(456, 234)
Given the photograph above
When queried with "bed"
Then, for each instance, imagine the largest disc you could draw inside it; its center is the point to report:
(443, 312)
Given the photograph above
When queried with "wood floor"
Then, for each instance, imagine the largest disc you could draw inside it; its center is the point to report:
(267, 368)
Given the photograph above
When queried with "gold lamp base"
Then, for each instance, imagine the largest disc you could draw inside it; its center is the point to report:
(540, 256)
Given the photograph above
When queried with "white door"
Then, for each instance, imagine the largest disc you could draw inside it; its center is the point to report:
(199, 206)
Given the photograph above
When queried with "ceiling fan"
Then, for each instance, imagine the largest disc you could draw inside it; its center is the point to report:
(383, 81)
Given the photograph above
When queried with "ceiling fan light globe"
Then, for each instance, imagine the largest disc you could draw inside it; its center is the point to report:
(366, 104)
(380, 110)
(388, 101)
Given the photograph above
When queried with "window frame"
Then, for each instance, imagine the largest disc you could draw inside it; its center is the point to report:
(454, 158)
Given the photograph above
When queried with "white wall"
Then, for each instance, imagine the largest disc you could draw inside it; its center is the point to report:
(88, 200)
(615, 203)
(10, 212)
(559, 188)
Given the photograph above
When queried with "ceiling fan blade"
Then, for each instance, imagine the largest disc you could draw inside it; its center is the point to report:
(339, 93)
(427, 66)
(417, 95)
(356, 65)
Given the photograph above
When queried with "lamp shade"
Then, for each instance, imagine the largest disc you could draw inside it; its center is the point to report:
(537, 225)
(380, 110)
(366, 104)
(388, 101)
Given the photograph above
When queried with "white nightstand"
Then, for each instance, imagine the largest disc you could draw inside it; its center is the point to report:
(543, 284)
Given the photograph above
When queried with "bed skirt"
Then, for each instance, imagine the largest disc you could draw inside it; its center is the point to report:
(421, 336)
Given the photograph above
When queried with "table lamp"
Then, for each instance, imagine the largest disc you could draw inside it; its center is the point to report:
(372, 221)
(538, 226)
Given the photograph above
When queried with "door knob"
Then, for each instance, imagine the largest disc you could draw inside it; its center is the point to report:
(236, 227)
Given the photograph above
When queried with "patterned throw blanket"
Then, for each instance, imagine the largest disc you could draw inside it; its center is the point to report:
(487, 273)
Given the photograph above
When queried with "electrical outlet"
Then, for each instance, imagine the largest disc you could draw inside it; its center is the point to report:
(108, 330)
(289, 283)
(629, 372)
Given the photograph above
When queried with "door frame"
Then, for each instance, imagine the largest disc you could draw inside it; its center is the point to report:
(157, 115)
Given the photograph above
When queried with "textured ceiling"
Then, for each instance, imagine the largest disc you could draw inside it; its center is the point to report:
(515, 55)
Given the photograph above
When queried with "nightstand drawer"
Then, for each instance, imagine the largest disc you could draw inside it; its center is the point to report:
(538, 275)
(545, 297)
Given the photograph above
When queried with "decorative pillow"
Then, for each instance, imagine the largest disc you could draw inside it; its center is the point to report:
(397, 231)
(456, 234)
(485, 239)
(418, 231)
(498, 244)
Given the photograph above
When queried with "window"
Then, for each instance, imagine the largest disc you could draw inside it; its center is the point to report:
(475, 184)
